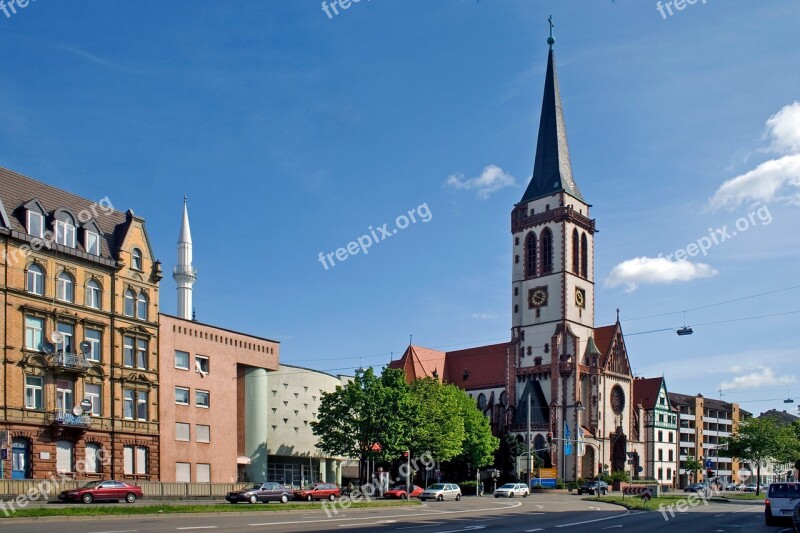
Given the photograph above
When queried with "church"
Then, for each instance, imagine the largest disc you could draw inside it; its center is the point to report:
(561, 383)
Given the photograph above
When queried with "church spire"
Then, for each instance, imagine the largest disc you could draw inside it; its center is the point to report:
(552, 170)
(184, 273)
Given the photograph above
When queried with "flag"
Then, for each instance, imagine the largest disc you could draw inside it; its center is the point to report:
(567, 441)
(581, 442)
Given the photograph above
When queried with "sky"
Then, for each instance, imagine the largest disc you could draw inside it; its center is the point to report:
(295, 131)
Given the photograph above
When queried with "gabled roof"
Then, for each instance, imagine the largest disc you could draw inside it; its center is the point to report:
(781, 417)
(611, 343)
(419, 362)
(552, 169)
(646, 391)
(485, 365)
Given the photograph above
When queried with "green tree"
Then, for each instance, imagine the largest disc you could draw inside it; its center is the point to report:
(435, 426)
(692, 465)
(479, 443)
(367, 418)
(506, 456)
(756, 440)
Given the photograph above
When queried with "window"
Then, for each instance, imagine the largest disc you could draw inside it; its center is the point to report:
(35, 224)
(201, 398)
(660, 473)
(65, 288)
(547, 250)
(64, 395)
(92, 242)
(660, 455)
(141, 405)
(202, 433)
(584, 256)
(136, 258)
(127, 460)
(68, 332)
(530, 255)
(135, 460)
(181, 360)
(35, 280)
(481, 401)
(141, 306)
(660, 436)
(128, 399)
(141, 354)
(182, 431)
(127, 351)
(64, 449)
(671, 456)
(92, 457)
(669, 474)
(129, 303)
(181, 396)
(34, 333)
(95, 340)
(65, 232)
(93, 294)
(670, 436)
(183, 472)
(201, 364)
(33, 392)
(575, 252)
(203, 473)
(93, 394)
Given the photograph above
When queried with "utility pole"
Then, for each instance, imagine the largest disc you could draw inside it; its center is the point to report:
(529, 441)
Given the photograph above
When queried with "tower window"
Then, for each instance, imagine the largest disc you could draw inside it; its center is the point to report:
(530, 255)
(584, 256)
(547, 250)
(575, 252)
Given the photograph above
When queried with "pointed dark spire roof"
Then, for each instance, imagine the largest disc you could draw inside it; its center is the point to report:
(552, 170)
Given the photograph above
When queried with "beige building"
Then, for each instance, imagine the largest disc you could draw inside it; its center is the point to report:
(79, 294)
(660, 430)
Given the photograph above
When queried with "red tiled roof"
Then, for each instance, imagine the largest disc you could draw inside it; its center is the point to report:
(646, 391)
(486, 365)
(419, 362)
(603, 337)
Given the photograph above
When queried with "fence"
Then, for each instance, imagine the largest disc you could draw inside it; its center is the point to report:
(151, 489)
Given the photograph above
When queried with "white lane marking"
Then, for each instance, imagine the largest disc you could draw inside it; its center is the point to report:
(429, 524)
(468, 528)
(329, 520)
(120, 531)
(196, 527)
(718, 515)
(596, 520)
(613, 527)
(531, 530)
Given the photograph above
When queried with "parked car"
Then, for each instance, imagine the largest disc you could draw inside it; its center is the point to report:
(318, 491)
(781, 500)
(261, 492)
(750, 488)
(441, 491)
(593, 487)
(509, 490)
(399, 491)
(109, 490)
(731, 487)
(698, 487)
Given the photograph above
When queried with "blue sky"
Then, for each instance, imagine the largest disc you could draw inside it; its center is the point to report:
(292, 133)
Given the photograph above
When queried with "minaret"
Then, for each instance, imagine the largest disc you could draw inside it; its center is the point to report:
(184, 273)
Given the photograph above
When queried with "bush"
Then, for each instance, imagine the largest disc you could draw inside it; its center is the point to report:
(559, 483)
(573, 485)
(468, 487)
(619, 475)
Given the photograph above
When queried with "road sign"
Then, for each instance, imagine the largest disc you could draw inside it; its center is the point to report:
(709, 464)
(645, 492)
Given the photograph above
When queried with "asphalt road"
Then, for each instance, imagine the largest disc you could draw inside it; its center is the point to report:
(558, 512)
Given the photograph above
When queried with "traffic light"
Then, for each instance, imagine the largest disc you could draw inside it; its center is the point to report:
(405, 454)
(549, 439)
(710, 473)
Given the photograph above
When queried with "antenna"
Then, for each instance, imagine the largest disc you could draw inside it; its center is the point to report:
(57, 337)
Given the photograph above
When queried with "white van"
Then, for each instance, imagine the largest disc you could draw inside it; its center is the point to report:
(781, 501)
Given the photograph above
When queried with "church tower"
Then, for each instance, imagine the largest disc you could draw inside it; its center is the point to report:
(552, 286)
(184, 273)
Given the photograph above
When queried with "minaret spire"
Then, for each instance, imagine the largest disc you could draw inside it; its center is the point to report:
(552, 169)
(184, 273)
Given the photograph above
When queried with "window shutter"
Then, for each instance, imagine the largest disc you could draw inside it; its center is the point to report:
(128, 460)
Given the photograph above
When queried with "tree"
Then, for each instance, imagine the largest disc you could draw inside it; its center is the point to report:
(756, 440)
(367, 418)
(437, 427)
(506, 456)
(479, 443)
(692, 466)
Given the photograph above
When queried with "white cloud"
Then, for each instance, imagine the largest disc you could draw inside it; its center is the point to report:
(775, 179)
(492, 179)
(760, 376)
(483, 316)
(656, 270)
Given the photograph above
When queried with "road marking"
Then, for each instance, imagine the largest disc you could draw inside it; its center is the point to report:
(468, 528)
(613, 527)
(718, 515)
(121, 531)
(196, 527)
(531, 530)
(429, 524)
(596, 520)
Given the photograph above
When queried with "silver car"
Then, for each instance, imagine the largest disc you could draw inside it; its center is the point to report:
(441, 491)
(509, 490)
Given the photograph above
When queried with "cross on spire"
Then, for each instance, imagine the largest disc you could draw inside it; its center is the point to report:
(551, 40)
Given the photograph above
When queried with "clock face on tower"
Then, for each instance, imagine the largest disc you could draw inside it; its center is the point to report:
(537, 297)
(580, 298)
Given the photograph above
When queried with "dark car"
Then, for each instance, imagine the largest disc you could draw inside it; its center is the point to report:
(110, 490)
(261, 492)
(698, 487)
(399, 491)
(593, 487)
(318, 491)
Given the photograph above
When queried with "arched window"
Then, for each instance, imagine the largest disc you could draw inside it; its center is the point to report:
(669, 474)
(65, 288)
(660, 455)
(481, 401)
(93, 294)
(584, 256)
(530, 255)
(547, 250)
(575, 252)
(35, 280)
(671, 457)
(141, 306)
(129, 303)
(136, 259)
(660, 473)
(65, 229)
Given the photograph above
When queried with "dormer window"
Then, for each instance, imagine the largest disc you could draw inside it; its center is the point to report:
(92, 243)
(35, 224)
(136, 259)
(65, 229)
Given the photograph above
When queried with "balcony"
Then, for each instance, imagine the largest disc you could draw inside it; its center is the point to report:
(69, 361)
(68, 419)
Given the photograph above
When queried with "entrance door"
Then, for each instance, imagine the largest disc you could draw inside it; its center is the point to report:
(20, 458)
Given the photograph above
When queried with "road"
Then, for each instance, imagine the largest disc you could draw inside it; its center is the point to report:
(548, 512)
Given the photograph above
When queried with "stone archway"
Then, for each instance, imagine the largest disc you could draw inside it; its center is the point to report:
(589, 463)
(618, 452)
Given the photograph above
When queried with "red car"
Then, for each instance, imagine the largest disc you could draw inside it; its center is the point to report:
(102, 491)
(318, 491)
(399, 491)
